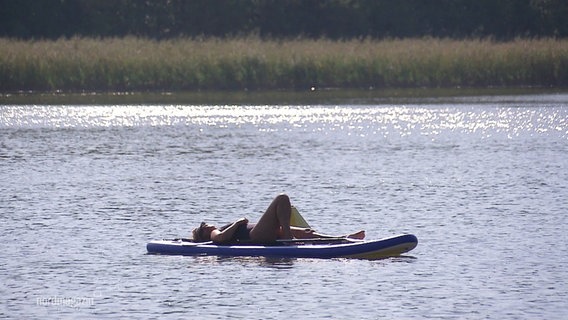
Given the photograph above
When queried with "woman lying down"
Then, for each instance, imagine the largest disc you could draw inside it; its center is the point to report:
(273, 225)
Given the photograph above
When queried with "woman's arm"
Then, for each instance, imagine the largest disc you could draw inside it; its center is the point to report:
(227, 234)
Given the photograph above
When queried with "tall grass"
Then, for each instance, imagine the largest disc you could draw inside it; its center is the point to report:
(251, 63)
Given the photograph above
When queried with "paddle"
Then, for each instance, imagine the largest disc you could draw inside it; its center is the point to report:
(317, 240)
(278, 241)
(296, 219)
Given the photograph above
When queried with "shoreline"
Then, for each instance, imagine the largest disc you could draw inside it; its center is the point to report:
(274, 97)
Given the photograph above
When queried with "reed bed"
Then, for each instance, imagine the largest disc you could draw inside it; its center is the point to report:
(134, 64)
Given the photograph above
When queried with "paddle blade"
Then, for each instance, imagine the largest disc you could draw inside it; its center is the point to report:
(296, 219)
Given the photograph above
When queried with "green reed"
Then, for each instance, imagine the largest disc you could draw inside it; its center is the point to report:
(251, 63)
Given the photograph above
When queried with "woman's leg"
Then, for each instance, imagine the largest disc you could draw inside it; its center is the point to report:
(307, 233)
(274, 221)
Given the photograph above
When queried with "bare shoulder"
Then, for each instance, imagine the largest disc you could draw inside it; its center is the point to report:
(216, 236)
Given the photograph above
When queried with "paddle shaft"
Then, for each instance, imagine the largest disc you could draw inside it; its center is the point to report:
(316, 240)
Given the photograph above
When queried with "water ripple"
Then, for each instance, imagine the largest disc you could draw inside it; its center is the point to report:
(484, 186)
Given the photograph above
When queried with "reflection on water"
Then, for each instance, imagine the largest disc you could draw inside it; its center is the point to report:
(269, 262)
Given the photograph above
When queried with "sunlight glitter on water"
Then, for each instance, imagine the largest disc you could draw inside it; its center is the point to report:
(383, 120)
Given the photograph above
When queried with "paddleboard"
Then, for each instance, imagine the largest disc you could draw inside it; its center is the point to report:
(298, 248)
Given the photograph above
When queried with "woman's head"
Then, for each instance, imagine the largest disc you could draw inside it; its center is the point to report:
(203, 232)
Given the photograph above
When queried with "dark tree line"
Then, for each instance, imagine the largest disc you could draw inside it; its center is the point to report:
(335, 19)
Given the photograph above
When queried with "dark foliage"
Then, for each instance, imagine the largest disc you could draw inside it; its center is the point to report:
(335, 19)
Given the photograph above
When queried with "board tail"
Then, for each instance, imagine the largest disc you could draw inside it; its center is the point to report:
(296, 219)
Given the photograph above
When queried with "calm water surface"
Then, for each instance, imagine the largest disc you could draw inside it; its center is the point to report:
(482, 182)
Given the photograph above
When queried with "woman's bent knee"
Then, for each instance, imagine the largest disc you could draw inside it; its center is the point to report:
(283, 197)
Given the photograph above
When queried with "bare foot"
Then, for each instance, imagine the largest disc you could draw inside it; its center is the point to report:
(357, 235)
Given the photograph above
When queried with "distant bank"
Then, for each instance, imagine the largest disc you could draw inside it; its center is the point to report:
(133, 64)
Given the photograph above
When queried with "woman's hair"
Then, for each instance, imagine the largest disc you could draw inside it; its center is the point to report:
(198, 235)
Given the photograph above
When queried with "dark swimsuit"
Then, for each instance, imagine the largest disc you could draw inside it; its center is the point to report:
(242, 232)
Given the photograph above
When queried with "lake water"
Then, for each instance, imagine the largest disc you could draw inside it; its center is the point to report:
(481, 181)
